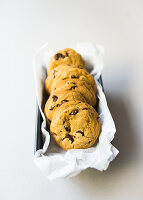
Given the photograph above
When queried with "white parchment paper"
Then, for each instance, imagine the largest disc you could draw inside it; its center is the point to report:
(52, 160)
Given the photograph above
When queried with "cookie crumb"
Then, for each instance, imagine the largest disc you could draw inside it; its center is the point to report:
(68, 129)
(73, 87)
(82, 133)
(74, 112)
(59, 55)
(55, 98)
(70, 137)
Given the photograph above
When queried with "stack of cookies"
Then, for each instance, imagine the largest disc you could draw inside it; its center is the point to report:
(74, 123)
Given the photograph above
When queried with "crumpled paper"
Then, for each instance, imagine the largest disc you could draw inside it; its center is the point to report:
(52, 160)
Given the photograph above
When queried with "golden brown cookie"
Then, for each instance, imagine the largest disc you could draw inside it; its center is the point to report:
(77, 85)
(66, 56)
(64, 72)
(58, 98)
(76, 125)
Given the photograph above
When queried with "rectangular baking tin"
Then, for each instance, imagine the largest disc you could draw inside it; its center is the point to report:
(38, 133)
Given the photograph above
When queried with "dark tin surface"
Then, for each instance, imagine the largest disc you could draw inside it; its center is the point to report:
(38, 133)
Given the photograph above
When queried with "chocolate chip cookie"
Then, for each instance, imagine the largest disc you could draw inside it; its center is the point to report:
(77, 85)
(66, 56)
(76, 125)
(57, 99)
(63, 72)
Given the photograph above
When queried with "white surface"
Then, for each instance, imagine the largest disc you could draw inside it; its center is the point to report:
(24, 27)
(65, 164)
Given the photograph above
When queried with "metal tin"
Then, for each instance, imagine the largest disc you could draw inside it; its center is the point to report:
(38, 133)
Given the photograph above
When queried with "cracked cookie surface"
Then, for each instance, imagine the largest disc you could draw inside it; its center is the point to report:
(58, 98)
(63, 72)
(66, 56)
(77, 85)
(76, 125)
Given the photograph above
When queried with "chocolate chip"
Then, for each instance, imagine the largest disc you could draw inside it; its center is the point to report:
(59, 55)
(55, 98)
(66, 54)
(52, 108)
(89, 142)
(63, 101)
(67, 129)
(70, 137)
(54, 73)
(85, 109)
(82, 133)
(74, 112)
(58, 104)
(73, 76)
(73, 87)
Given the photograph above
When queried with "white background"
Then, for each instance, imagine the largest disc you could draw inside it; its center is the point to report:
(24, 27)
